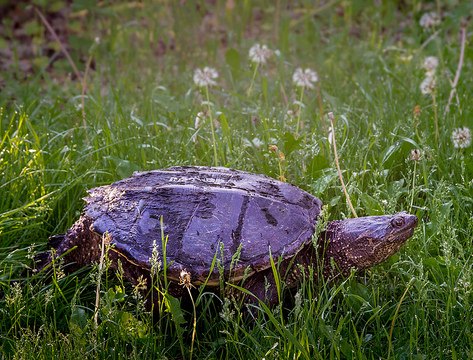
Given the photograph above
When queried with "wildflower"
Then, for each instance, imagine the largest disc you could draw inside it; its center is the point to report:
(415, 155)
(430, 65)
(205, 77)
(417, 110)
(227, 313)
(428, 85)
(140, 286)
(155, 260)
(48, 296)
(31, 253)
(305, 78)
(429, 20)
(461, 137)
(259, 54)
(15, 295)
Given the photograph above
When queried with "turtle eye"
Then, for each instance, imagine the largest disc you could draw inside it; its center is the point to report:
(397, 222)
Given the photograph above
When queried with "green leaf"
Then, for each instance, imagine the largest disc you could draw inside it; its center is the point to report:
(323, 182)
(227, 135)
(388, 153)
(124, 168)
(78, 320)
(130, 326)
(173, 306)
(291, 143)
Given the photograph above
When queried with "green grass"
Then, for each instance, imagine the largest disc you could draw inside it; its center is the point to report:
(140, 109)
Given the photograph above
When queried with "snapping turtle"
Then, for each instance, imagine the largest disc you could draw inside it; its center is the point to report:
(235, 218)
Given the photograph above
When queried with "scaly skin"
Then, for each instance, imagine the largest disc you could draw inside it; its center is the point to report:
(346, 245)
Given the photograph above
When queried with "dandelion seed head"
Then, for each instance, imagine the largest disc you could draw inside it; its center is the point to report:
(430, 64)
(415, 155)
(259, 54)
(461, 137)
(428, 85)
(185, 279)
(305, 78)
(429, 20)
(205, 77)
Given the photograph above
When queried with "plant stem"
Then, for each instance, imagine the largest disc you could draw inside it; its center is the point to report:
(459, 68)
(413, 184)
(331, 117)
(99, 277)
(436, 121)
(214, 142)
(252, 80)
(194, 323)
(300, 111)
(390, 338)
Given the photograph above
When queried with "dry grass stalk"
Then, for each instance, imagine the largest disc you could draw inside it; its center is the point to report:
(71, 62)
(459, 67)
(332, 118)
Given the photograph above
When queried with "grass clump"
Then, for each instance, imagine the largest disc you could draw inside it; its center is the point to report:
(398, 144)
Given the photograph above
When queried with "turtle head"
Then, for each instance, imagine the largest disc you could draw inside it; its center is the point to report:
(362, 242)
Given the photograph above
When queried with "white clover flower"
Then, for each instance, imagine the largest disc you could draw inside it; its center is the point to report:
(259, 54)
(461, 137)
(205, 77)
(430, 64)
(305, 78)
(429, 20)
(427, 86)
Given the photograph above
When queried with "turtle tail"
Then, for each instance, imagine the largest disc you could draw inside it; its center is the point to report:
(79, 246)
(43, 259)
(55, 240)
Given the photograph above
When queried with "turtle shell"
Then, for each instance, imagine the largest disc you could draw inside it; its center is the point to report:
(207, 215)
